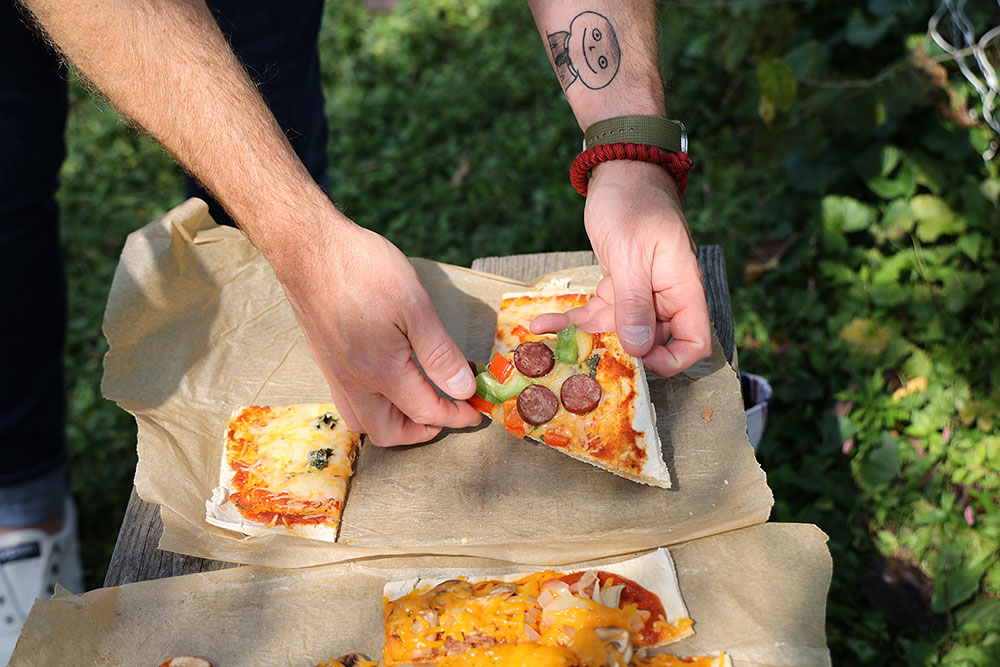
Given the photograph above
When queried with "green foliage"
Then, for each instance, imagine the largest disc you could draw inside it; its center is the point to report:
(812, 122)
(893, 278)
(113, 181)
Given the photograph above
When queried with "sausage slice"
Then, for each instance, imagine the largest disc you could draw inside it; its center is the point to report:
(580, 394)
(537, 404)
(534, 359)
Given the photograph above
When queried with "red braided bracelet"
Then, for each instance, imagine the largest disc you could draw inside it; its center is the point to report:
(677, 164)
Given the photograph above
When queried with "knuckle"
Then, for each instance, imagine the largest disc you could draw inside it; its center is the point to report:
(427, 410)
(436, 357)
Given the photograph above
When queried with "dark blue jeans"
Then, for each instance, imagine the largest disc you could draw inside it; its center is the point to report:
(276, 43)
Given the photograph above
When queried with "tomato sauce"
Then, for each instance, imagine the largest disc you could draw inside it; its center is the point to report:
(260, 505)
(632, 593)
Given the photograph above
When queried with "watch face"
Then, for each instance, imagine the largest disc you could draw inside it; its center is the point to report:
(593, 49)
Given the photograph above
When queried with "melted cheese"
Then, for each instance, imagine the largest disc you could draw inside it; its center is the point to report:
(269, 449)
(459, 618)
(606, 435)
(667, 660)
(522, 655)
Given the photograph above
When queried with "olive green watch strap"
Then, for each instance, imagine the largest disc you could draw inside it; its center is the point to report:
(670, 135)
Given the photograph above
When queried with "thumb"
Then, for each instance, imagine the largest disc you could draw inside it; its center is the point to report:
(438, 354)
(635, 318)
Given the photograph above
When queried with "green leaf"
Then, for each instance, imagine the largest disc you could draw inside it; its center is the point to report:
(890, 158)
(889, 270)
(766, 110)
(918, 653)
(881, 465)
(844, 214)
(972, 656)
(958, 582)
(904, 185)
(865, 337)
(930, 171)
(807, 57)
(777, 83)
(934, 218)
(864, 33)
(970, 244)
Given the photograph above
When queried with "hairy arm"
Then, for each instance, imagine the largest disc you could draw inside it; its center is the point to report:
(166, 65)
(605, 55)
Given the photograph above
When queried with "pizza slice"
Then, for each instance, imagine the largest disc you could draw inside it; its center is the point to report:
(536, 655)
(612, 616)
(578, 392)
(284, 469)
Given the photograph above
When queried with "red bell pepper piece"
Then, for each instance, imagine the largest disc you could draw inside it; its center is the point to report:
(501, 368)
(481, 404)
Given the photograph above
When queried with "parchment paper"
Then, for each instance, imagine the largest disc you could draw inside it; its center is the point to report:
(759, 593)
(198, 325)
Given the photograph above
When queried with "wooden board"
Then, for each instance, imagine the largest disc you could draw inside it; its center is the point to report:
(136, 556)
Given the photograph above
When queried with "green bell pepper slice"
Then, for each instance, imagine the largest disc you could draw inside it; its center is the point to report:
(494, 391)
(566, 345)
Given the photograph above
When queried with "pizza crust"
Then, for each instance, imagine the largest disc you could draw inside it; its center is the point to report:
(222, 513)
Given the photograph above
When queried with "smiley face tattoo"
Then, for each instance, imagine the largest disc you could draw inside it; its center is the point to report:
(588, 52)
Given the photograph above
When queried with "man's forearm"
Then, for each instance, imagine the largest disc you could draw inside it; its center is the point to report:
(605, 55)
(166, 65)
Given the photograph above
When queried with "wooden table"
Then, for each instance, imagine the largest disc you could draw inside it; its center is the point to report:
(136, 557)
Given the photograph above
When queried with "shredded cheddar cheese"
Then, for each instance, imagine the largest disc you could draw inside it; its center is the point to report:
(483, 622)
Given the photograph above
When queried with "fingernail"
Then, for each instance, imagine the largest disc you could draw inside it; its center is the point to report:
(634, 335)
(461, 382)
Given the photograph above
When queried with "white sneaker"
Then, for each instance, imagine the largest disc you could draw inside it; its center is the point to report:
(31, 563)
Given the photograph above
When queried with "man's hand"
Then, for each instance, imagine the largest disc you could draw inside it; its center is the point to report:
(605, 57)
(652, 289)
(361, 305)
(365, 314)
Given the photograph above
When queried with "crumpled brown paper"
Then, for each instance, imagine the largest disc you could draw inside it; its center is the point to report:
(198, 325)
(759, 593)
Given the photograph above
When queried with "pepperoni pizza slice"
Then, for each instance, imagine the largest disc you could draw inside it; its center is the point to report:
(284, 469)
(578, 392)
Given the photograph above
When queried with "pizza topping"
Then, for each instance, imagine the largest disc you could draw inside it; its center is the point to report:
(318, 458)
(555, 439)
(288, 467)
(534, 359)
(494, 391)
(580, 394)
(567, 350)
(537, 404)
(585, 345)
(501, 368)
(349, 660)
(512, 420)
(326, 420)
(186, 661)
(481, 404)
(592, 362)
(604, 619)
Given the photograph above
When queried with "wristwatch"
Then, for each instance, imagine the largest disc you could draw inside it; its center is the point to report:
(669, 135)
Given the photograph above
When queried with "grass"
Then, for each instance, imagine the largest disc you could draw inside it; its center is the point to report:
(843, 181)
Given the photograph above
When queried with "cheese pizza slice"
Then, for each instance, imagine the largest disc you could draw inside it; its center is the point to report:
(614, 616)
(284, 469)
(578, 392)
